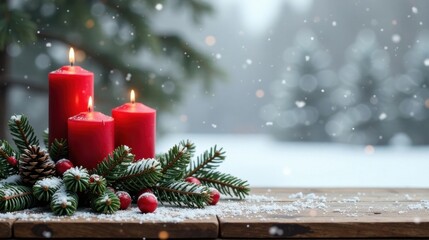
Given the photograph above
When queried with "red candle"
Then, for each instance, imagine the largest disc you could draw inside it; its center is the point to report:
(90, 137)
(69, 90)
(135, 126)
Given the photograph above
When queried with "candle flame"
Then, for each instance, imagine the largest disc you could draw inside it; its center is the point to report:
(132, 96)
(71, 56)
(90, 104)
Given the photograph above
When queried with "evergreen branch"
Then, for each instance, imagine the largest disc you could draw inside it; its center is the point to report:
(76, 179)
(225, 183)
(59, 149)
(97, 184)
(139, 175)
(11, 180)
(175, 161)
(208, 161)
(64, 202)
(182, 193)
(106, 203)
(115, 163)
(6, 152)
(22, 132)
(15, 197)
(46, 139)
(44, 189)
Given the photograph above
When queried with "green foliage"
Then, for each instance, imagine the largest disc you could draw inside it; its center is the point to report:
(59, 149)
(76, 179)
(138, 175)
(97, 184)
(225, 183)
(15, 26)
(6, 151)
(22, 132)
(64, 202)
(182, 194)
(106, 203)
(174, 162)
(15, 198)
(208, 161)
(44, 189)
(115, 164)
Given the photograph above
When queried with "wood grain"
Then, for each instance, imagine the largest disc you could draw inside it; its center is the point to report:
(94, 228)
(6, 228)
(375, 213)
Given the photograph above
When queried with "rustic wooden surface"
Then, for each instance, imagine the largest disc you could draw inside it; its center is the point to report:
(341, 213)
(6, 228)
(95, 228)
(376, 213)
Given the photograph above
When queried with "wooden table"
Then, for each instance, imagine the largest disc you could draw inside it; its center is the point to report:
(267, 213)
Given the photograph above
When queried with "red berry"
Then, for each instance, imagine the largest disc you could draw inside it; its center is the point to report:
(12, 161)
(193, 180)
(147, 203)
(124, 198)
(144, 190)
(214, 196)
(62, 166)
(94, 178)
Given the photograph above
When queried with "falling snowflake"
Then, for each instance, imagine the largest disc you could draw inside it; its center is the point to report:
(382, 116)
(300, 104)
(426, 62)
(334, 23)
(396, 38)
(414, 10)
(248, 61)
(307, 58)
(158, 6)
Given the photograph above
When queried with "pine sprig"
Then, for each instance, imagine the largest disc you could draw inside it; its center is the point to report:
(176, 160)
(59, 149)
(44, 189)
(107, 203)
(7, 151)
(182, 194)
(115, 163)
(225, 183)
(15, 198)
(97, 184)
(64, 202)
(142, 174)
(76, 179)
(208, 161)
(22, 132)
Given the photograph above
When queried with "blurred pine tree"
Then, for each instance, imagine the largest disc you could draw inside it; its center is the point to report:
(301, 97)
(112, 35)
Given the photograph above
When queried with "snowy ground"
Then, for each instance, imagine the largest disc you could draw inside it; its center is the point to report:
(265, 162)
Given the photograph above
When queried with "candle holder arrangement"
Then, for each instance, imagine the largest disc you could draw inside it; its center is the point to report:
(102, 162)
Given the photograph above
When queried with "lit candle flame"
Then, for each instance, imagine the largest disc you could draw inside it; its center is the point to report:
(132, 97)
(90, 104)
(71, 56)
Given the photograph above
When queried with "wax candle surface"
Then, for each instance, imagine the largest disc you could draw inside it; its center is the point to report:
(91, 138)
(69, 90)
(135, 126)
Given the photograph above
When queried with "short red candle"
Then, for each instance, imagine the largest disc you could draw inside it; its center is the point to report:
(135, 126)
(90, 138)
(69, 90)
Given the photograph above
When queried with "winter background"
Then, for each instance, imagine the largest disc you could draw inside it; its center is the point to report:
(324, 93)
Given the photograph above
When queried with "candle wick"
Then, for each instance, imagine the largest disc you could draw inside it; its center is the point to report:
(71, 64)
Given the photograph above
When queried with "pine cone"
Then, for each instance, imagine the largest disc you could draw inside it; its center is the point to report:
(35, 164)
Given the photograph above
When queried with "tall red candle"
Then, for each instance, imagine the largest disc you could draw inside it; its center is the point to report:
(69, 90)
(90, 137)
(135, 126)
